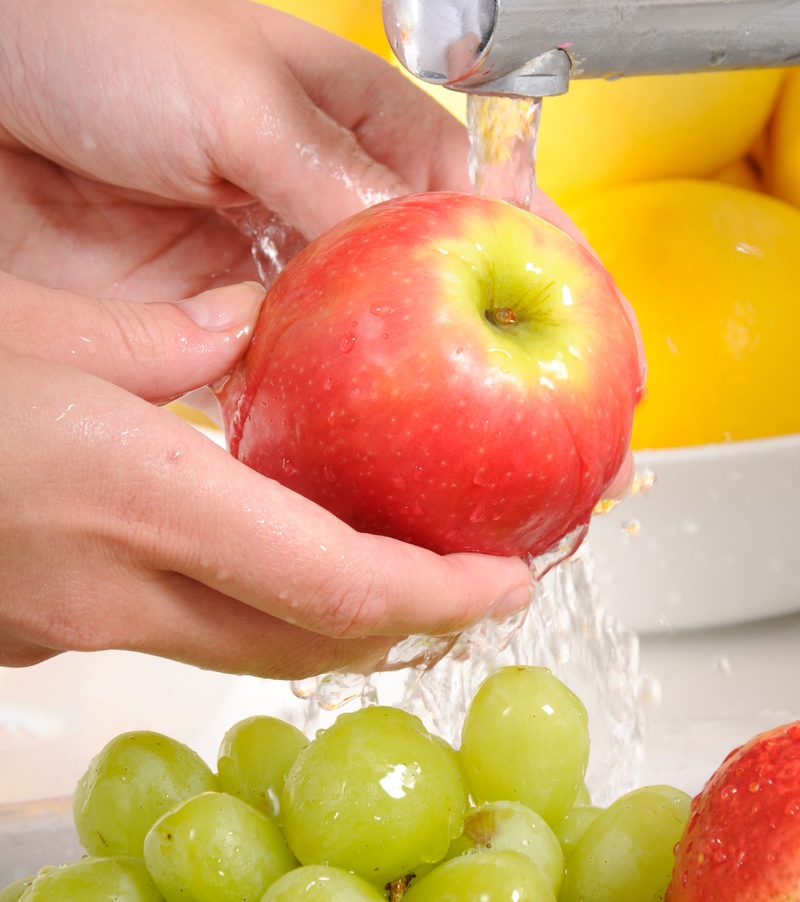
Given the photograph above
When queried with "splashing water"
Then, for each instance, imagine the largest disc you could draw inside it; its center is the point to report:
(274, 241)
(566, 627)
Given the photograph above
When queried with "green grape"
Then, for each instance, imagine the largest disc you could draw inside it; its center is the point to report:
(317, 883)
(14, 890)
(216, 848)
(627, 854)
(490, 877)
(95, 880)
(374, 794)
(574, 825)
(129, 785)
(511, 827)
(455, 758)
(526, 739)
(584, 797)
(255, 757)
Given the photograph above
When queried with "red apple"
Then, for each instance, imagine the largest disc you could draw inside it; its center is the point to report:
(742, 842)
(445, 369)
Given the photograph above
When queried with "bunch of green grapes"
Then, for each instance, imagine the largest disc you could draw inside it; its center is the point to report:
(375, 808)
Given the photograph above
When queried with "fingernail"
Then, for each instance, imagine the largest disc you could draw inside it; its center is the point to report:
(225, 308)
(516, 601)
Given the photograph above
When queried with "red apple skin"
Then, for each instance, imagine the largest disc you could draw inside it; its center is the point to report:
(376, 386)
(742, 841)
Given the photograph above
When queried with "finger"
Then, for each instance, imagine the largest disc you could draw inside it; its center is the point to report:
(353, 131)
(621, 484)
(293, 560)
(191, 508)
(73, 502)
(311, 169)
(158, 351)
(395, 121)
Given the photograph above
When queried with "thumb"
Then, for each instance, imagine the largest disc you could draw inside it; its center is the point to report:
(158, 351)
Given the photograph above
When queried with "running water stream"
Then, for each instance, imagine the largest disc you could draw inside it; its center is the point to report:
(566, 628)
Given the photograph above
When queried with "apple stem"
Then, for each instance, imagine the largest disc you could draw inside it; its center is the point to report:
(503, 316)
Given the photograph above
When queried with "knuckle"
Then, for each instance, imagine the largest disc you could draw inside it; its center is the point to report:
(349, 604)
(133, 331)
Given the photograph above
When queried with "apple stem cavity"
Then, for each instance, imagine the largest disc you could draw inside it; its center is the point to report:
(503, 316)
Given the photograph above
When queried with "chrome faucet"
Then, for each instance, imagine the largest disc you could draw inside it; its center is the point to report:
(531, 48)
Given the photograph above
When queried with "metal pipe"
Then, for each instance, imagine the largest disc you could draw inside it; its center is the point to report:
(532, 48)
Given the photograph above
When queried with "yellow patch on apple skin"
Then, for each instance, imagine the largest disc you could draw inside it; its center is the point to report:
(540, 303)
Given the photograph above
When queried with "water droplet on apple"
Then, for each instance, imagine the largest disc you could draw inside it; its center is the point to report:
(329, 474)
(328, 384)
(400, 481)
(417, 474)
(477, 512)
(418, 510)
(479, 478)
(347, 342)
(452, 533)
(381, 309)
(288, 469)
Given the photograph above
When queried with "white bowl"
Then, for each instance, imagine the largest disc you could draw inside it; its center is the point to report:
(714, 542)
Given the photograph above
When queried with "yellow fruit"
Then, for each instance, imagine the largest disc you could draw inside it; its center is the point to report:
(713, 273)
(741, 173)
(602, 134)
(783, 154)
(356, 20)
(191, 415)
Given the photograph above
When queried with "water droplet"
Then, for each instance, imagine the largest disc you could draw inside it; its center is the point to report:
(717, 57)
(337, 689)
(452, 533)
(477, 512)
(604, 506)
(304, 688)
(417, 474)
(329, 474)
(328, 384)
(400, 482)
(479, 478)
(347, 342)
(643, 482)
(381, 309)
(418, 510)
(288, 469)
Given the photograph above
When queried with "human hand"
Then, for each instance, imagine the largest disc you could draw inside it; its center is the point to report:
(217, 103)
(123, 527)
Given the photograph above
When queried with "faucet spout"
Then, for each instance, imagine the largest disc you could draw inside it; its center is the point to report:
(533, 47)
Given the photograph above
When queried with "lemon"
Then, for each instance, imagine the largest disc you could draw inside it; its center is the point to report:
(602, 134)
(713, 272)
(357, 20)
(741, 173)
(783, 153)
